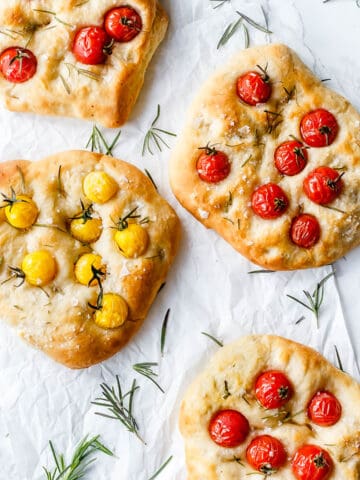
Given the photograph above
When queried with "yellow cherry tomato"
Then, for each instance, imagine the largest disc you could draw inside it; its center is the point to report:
(22, 212)
(133, 241)
(83, 271)
(86, 231)
(113, 313)
(99, 187)
(39, 268)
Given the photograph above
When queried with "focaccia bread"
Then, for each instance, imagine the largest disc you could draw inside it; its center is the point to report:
(229, 409)
(85, 244)
(270, 159)
(103, 91)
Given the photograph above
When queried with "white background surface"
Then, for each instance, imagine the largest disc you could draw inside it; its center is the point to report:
(208, 288)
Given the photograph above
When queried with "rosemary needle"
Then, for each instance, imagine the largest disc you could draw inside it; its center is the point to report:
(340, 364)
(218, 342)
(254, 24)
(219, 3)
(154, 136)
(165, 464)
(164, 330)
(146, 370)
(229, 32)
(98, 143)
(151, 178)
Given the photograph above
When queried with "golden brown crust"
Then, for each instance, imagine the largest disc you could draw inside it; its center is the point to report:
(62, 324)
(219, 117)
(57, 89)
(240, 364)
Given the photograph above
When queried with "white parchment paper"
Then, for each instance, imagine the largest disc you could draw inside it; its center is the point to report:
(208, 288)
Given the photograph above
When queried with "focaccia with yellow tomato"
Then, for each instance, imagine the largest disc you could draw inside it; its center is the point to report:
(85, 244)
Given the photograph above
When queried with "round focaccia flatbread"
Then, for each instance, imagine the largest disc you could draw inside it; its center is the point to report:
(85, 244)
(234, 381)
(270, 159)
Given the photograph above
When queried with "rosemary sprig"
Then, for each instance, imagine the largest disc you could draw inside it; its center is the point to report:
(315, 299)
(164, 330)
(219, 3)
(80, 461)
(165, 464)
(49, 12)
(252, 272)
(146, 370)
(229, 32)
(119, 405)
(45, 225)
(218, 342)
(97, 142)
(338, 359)
(254, 24)
(82, 71)
(154, 136)
(151, 178)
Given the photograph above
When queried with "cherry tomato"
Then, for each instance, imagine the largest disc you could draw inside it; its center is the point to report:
(319, 128)
(273, 389)
(269, 201)
(92, 45)
(266, 454)
(213, 166)
(305, 230)
(291, 157)
(123, 24)
(18, 64)
(311, 462)
(253, 88)
(324, 409)
(228, 428)
(323, 185)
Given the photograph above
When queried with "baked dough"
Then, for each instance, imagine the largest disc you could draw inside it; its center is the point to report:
(57, 318)
(110, 96)
(240, 363)
(219, 117)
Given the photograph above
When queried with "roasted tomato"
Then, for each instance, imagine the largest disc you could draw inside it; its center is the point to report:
(311, 462)
(269, 201)
(39, 268)
(213, 166)
(18, 64)
(84, 226)
(99, 187)
(88, 268)
(324, 409)
(305, 230)
(228, 428)
(323, 185)
(319, 128)
(113, 311)
(266, 454)
(92, 45)
(132, 241)
(254, 87)
(273, 389)
(291, 157)
(20, 211)
(123, 24)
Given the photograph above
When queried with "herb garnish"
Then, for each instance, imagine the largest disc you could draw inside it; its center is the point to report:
(254, 24)
(151, 178)
(79, 462)
(123, 222)
(85, 214)
(49, 12)
(97, 142)
(218, 342)
(164, 330)
(119, 405)
(153, 136)
(156, 474)
(219, 3)
(338, 359)
(82, 71)
(252, 272)
(227, 393)
(15, 273)
(230, 30)
(146, 370)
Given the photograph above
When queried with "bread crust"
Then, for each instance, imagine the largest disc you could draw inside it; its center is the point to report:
(57, 88)
(239, 364)
(58, 320)
(217, 116)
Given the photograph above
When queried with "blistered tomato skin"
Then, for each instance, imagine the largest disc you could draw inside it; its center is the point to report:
(319, 128)
(123, 24)
(253, 88)
(18, 64)
(305, 231)
(266, 454)
(324, 409)
(228, 428)
(269, 201)
(323, 185)
(273, 389)
(311, 462)
(291, 158)
(91, 46)
(213, 166)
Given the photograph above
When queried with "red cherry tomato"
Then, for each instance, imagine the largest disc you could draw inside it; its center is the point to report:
(273, 389)
(323, 185)
(92, 45)
(228, 428)
(305, 230)
(291, 157)
(213, 166)
(253, 88)
(269, 201)
(324, 409)
(123, 24)
(311, 462)
(266, 454)
(319, 128)
(18, 64)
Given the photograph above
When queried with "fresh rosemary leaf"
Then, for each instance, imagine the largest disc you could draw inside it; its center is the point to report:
(82, 71)
(246, 35)
(218, 342)
(45, 225)
(334, 208)
(254, 24)
(227, 393)
(252, 272)
(154, 136)
(49, 12)
(165, 464)
(164, 330)
(98, 143)
(230, 30)
(65, 84)
(146, 370)
(339, 362)
(151, 178)
(219, 3)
